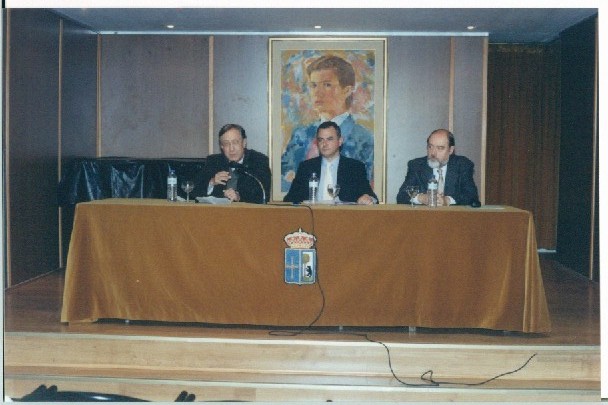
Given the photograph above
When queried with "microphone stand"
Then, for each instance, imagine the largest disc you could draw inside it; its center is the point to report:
(242, 169)
(256, 179)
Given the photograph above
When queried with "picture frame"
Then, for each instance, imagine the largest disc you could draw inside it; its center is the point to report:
(294, 116)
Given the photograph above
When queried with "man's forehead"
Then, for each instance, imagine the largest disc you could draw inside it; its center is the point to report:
(438, 139)
(324, 75)
(231, 133)
(327, 133)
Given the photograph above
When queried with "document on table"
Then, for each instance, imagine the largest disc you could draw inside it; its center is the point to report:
(213, 200)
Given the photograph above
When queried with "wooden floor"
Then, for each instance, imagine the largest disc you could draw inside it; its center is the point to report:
(32, 312)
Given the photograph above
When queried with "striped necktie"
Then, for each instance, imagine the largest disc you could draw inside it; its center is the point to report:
(440, 181)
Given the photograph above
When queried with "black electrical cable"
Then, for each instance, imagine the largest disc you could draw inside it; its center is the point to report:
(301, 331)
(430, 378)
(428, 381)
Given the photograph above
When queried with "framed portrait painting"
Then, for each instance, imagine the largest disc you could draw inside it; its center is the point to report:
(313, 80)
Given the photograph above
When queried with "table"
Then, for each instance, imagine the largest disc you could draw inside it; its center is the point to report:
(382, 265)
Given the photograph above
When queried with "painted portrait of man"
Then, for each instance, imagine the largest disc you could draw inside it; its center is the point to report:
(343, 84)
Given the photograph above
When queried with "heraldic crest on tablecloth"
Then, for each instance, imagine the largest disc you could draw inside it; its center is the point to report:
(300, 258)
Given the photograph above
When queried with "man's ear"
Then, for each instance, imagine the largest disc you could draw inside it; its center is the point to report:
(452, 150)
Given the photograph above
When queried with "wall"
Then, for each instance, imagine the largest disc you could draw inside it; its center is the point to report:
(50, 113)
(577, 226)
(432, 83)
(421, 98)
(78, 108)
(31, 143)
(154, 92)
(71, 93)
(240, 87)
(78, 92)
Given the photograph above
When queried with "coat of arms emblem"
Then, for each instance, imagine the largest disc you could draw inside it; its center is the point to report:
(300, 258)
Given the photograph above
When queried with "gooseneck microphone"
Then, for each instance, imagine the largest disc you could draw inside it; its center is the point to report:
(240, 168)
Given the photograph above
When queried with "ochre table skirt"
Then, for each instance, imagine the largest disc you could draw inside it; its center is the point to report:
(383, 265)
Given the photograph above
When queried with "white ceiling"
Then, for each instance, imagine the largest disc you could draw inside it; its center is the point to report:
(502, 25)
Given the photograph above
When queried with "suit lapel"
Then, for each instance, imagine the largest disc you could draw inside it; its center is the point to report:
(343, 178)
(425, 174)
(317, 165)
(450, 177)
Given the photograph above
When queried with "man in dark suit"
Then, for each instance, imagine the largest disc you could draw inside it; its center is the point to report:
(332, 168)
(235, 172)
(455, 172)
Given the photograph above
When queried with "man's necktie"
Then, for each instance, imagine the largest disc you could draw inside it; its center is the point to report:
(440, 181)
(233, 181)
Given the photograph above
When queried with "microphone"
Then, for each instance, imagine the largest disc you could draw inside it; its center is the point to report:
(234, 176)
(240, 168)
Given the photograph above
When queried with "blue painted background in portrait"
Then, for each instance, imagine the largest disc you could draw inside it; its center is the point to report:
(299, 121)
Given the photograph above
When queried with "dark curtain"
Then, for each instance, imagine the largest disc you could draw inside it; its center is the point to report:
(523, 132)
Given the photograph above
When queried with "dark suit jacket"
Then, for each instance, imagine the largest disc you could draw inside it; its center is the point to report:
(254, 162)
(352, 179)
(459, 182)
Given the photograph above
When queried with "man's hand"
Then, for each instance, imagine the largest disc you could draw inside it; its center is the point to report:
(365, 199)
(443, 200)
(232, 194)
(423, 198)
(220, 178)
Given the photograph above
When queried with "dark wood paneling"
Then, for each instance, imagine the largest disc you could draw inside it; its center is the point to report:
(241, 94)
(418, 94)
(468, 100)
(78, 93)
(78, 106)
(32, 146)
(154, 96)
(523, 132)
(576, 174)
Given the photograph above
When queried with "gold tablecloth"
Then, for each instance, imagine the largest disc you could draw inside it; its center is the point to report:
(382, 265)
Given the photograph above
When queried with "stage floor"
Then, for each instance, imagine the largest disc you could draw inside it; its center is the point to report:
(573, 303)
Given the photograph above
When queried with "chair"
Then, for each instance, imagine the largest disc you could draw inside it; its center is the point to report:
(51, 394)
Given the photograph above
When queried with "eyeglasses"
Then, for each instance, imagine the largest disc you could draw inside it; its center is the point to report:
(236, 142)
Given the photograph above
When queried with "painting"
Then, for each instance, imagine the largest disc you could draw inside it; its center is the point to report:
(313, 80)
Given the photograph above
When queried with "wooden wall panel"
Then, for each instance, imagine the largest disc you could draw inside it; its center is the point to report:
(31, 138)
(241, 88)
(417, 101)
(78, 92)
(78, 108)
(576, 224)
(523, 133)
(469, 85)
(154, 95)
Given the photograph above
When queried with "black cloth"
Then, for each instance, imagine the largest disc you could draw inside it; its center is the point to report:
(352, 179)
(256, 164)
(459, 183)
(87, 179)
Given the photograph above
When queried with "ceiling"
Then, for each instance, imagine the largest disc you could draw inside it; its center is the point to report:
(501, 25)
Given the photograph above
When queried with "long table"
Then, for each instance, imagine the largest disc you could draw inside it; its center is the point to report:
(382, 265)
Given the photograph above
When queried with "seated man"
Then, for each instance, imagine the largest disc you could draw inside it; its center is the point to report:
(233, 173)
(454, 173)
(349, 173)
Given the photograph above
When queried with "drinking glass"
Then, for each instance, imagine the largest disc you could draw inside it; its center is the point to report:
(188, 186)
(412, 191)
(333, 190)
